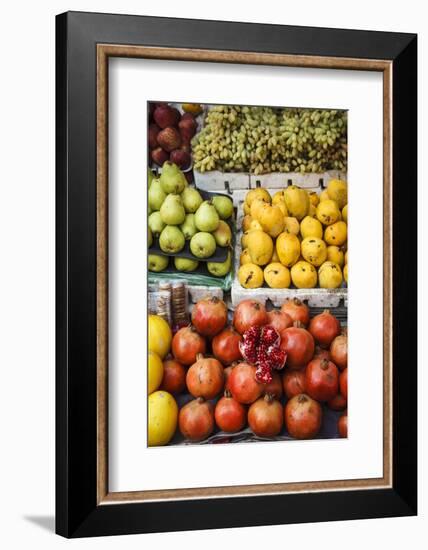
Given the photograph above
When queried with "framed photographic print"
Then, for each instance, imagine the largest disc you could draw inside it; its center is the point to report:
(206, 319)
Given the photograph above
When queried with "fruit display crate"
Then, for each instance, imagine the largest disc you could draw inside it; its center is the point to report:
(314, 297)
(329, 425)
(238, 181)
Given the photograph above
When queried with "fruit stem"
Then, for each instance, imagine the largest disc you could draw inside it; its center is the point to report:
(302, 398)
(298, 324)
(199, 356)
(227, 393)
(324, 364)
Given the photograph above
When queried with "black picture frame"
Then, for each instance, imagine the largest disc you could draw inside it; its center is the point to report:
(77, 511)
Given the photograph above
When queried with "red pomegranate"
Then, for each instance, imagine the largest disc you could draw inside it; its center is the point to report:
(297, 310)
(205, 378)
(209, 316)
(196, 420)
(293, 382)
(322, 353)
(299, 345)
(322, 379)
(338, 403)
(249, 313)
(274, 388)
(343, 383)
(243, 384)
(174, 377)
(226, 373)
(279, 320)
(186, 344)
(265, 416)
(339, 351)
(230, 416)
(324, 327)
(342, 425)
(226, 345)
(303, 417)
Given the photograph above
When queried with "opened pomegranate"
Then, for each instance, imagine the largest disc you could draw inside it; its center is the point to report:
(174, 377)
(322, 379)
(260, 346)
(279, 320)
(249, 313)
(265, 416)
(209, 316)
(186, 344)
(322, 353)
(243, 384)
(205, 378)
(339, 351)
(343, 383)
(230, 416)
(274, 387)
(303, 417)
(196, 419)
(293, 382)
(337, 403)
(226, 345)
(342, 425)
(299, 345)
(297, 310)
(324, 327)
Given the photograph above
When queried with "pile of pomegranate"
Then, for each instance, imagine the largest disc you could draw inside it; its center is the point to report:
(266, 370)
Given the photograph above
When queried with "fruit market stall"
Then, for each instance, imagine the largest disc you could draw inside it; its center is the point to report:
(248, 273)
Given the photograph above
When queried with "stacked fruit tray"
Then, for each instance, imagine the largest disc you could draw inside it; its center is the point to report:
(293, 243)
(247, 374)
(193, 228)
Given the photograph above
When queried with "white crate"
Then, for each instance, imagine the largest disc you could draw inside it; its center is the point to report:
(221, 182)
(278, 180)
(230, 181)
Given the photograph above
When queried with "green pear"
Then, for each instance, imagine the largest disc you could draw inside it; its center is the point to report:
(202, 245)
(172, 178)
(155, 223)
(150, 177)
(149, 237)
(156, 195)
(206, 217)
(192, 199)
(224, 206)
(188, 228)
(223, 234)
(157, 263)
(171, 240)
(220, 269)
(185, 264)
(172, 210)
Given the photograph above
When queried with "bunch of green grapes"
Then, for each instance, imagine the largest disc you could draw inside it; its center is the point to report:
(264, 139)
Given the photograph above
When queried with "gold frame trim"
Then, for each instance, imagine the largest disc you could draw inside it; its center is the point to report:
(104, 51)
